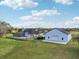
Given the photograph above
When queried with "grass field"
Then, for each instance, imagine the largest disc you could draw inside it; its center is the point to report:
(36, 49)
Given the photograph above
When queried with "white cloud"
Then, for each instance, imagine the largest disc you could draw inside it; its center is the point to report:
(73, 23)
(53, 12)
(37, 18)
(76, 18)
(65, 2)
(30, 18)
(39, 25)
(17, 25)
(34, 25)
(40, 15)
(19, 3)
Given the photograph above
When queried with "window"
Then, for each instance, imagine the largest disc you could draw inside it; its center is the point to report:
(62, 38)
(48, 37)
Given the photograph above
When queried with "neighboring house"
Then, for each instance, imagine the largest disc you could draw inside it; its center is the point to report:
(28, 33)
(35, 32)
(32, 32)
(57, 36)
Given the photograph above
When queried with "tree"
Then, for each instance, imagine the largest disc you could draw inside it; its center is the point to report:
(4, 27)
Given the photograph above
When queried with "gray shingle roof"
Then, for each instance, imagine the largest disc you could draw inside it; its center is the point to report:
(62, 30)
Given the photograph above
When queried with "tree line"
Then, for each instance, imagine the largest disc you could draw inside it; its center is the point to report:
(7, 28)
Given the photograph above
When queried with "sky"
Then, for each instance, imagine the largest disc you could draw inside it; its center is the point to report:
(40, 13)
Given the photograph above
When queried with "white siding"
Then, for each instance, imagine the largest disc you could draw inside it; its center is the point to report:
(57, 36)
(27, 35)
(69, 37)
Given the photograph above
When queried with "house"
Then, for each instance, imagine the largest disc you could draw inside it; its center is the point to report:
(27, 33)
(24, 34)
(34, 32)
(57, 36)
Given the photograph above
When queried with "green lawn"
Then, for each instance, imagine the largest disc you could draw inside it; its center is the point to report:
(35, 49)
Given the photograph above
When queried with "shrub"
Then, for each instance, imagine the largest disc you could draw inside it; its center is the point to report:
(39, 38)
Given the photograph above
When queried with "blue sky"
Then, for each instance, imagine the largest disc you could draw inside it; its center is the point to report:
(40, 13)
